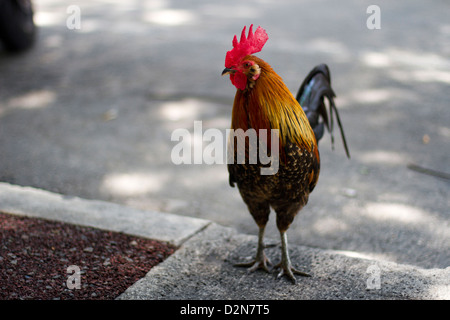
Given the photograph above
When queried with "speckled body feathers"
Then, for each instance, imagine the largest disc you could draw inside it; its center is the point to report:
(268, 104)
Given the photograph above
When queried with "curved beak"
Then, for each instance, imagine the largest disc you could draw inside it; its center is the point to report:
(228, 71)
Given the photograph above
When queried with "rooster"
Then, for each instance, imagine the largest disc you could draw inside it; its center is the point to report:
(263, 101)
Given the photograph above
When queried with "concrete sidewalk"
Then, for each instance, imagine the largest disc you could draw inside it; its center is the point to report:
(202, 267)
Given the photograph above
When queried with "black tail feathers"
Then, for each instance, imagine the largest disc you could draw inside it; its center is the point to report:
(315, 87)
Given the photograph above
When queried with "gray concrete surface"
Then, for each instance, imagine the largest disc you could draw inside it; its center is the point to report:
(202, 268)
(89, 113)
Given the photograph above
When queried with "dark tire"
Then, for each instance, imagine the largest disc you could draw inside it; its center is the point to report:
(17, 28)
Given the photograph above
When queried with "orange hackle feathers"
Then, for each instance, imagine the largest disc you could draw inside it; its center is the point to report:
(270, 105)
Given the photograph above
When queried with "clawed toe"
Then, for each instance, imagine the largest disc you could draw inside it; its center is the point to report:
(256, 264)
(289, 272)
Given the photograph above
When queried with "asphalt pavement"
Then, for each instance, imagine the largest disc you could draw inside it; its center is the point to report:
(89, 112)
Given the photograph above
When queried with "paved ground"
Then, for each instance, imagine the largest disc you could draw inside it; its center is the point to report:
(90, 113)
(202, 267)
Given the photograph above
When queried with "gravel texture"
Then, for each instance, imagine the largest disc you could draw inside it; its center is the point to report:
(35, 256)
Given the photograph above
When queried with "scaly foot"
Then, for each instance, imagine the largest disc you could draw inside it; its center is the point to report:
(285, 264)
(260, 262)
(289, 271)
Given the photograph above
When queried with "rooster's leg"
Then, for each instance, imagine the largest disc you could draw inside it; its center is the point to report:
(261, 261)
(285, 264)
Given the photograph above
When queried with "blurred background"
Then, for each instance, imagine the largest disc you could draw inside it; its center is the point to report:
(88, 111)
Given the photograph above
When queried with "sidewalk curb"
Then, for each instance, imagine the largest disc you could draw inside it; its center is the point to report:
(38, 203)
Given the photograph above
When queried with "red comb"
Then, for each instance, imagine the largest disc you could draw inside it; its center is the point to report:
(247, 45)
